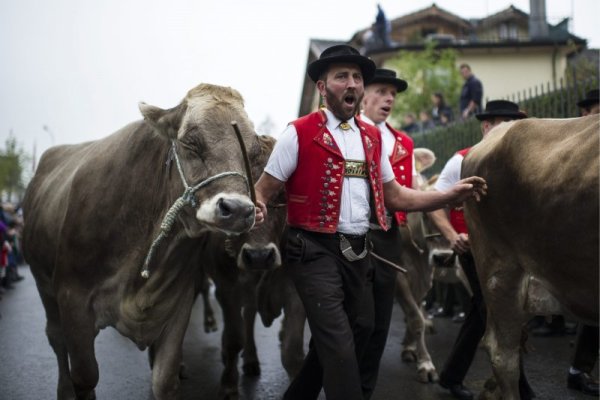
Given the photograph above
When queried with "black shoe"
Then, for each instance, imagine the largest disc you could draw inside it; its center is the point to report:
(547, 331)
(459, 318)
(6, 284)
(458, 390)
(442, 313)
(583, 382)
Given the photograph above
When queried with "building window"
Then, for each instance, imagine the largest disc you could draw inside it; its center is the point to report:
(507, 31)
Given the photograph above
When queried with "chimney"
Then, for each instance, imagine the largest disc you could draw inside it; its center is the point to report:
(538, 27)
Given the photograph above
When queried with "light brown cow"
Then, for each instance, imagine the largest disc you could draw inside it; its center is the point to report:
(540, 218)
(94, 211)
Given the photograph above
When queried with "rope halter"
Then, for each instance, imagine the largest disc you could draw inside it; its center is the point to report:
(187, 198)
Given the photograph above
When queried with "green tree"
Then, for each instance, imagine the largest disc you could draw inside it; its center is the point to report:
(12, 162)
(428, 71)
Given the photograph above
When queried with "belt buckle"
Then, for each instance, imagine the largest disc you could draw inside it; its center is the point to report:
(347, 251)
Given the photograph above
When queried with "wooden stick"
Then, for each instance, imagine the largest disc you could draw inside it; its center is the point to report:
(389, 263)
(246, 161)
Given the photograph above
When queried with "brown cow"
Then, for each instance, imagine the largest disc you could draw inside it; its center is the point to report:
(417, 245)
(540, 218)
(93, 212)
(248, 278)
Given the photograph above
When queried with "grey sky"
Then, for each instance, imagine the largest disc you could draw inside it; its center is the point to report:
(81, 67)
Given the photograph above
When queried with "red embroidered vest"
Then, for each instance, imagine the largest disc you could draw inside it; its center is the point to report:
(402, 164)
(457, 215)
(314, 190)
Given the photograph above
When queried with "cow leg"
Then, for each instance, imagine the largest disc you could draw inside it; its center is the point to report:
(77, 323)
(251, 365)
(504, 295)
(167, 354)
(210, 322)
(56, 339)
(232, 339)
(415, 331)
(291, 334)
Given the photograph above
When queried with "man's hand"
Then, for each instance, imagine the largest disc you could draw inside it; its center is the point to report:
(260, 213)
(460, 243)
(464, 189)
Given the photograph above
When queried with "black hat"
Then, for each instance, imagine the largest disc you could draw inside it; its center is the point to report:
(383, 75)
(591, 98)
(501, 108)
(341, 54)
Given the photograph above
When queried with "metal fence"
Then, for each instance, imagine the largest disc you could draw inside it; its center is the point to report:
(543, 101)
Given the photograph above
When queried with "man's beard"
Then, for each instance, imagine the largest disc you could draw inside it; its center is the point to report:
(338, 107)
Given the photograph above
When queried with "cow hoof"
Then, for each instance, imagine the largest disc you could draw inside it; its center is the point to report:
(210, 325)
(228, 394)
(409, 356)
(427, 376)
(183, 372)
(251, 369)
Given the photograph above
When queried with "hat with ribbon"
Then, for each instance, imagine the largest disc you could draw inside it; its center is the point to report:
(591, 98)
(501, 108)
(341, 54)
(383, 75)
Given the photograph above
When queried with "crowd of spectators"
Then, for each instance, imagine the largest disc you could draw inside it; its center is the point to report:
(441, 114)
(11, 223)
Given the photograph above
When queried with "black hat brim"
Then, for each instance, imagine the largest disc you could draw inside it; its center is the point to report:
(499, 113)
(316, 68)
(587, 102)
(400, 84)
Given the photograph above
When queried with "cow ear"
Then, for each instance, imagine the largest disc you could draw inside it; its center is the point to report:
(166, 122)
(151, 114)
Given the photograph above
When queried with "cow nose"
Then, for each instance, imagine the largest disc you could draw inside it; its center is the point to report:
(262, 258)
(234, 208)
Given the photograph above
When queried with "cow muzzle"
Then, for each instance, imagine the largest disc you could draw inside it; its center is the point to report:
(229, 213)
(259, 258)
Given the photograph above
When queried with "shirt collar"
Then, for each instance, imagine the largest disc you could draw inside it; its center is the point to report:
(369, 121)
(334, 122)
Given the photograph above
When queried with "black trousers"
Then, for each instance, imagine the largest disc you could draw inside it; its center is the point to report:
(373, 323)
(331, 289)
(470, 333)
(586, 348)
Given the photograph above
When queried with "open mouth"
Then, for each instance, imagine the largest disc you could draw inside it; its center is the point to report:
(350, 99)
(386, 109)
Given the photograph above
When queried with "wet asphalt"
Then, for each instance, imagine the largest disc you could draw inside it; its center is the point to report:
(28, 369)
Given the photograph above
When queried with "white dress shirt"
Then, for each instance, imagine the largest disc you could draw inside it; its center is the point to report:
(450, 174)
(354, 208)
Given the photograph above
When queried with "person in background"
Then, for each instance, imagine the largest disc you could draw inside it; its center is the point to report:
(425, 121)
(454, 229)
(410, 123)
(471, 93)
(337, 181)
(382, 28)
(585, 355)
(440, 110)
(371, 333)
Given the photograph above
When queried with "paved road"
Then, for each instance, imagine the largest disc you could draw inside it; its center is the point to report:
(28, 368)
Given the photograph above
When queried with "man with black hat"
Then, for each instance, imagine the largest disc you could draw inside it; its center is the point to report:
(371, 333)
(454, 229)
(336, 176)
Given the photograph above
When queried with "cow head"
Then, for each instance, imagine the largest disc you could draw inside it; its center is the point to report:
(204, 146)
(259, 249)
